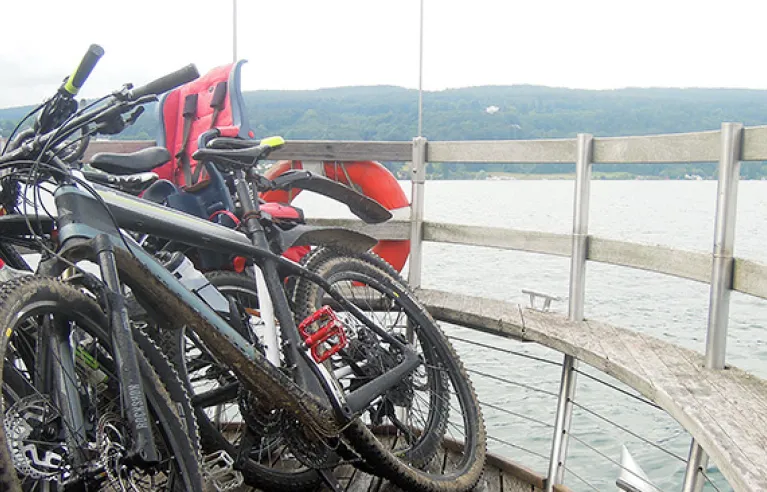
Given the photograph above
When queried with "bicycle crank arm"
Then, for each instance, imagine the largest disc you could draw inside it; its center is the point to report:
(359, 399)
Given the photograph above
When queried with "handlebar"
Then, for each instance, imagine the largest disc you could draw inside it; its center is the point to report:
(167, 82)
(80, 75)
(59, 125)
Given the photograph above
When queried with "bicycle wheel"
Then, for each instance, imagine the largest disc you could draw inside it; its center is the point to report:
(10, 255)
(36, 451)
(228, 417)
(406, 434)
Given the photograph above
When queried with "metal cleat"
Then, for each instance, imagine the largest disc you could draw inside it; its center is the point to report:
(546, 300)
(218, 470)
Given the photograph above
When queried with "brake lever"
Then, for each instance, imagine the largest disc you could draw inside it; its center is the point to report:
(123, 93)
(132, 117)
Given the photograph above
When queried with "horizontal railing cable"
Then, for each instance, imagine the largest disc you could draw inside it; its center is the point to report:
(506, 351)
(614, 462)
(586, 482)
(620, 390)
(708, 479)
(515, 414)
(513, 383)
(630, 432)
(517, 446)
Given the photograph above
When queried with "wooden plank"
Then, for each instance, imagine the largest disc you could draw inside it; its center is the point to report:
(750, 278)
(723, 410)
(652, 258)
(507, 320)
(319, 150)
(389, 487)
(700, 411)
(562, 488)
(498, 237)
(392, 229)
(344, 472)
(682, 147)
(503, 151)
(515, 473)
(669, 148)
(510, 483)
(490, 481)
(755, 143)
(362, 482)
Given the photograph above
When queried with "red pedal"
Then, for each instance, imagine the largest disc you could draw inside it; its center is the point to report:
(319, 341)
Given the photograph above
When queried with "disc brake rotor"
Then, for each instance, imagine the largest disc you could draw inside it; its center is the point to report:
(33, 431)
(113, 442)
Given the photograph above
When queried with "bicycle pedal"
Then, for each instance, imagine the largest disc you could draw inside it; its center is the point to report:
(329, 337)
(218, 470)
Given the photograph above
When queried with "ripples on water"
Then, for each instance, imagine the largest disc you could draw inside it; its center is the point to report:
(679, 214)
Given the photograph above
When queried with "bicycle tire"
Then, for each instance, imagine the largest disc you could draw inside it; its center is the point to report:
(410, 469)
(11, 256)
(33, 295)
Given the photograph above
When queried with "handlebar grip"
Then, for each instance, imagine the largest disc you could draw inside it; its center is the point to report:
(167, 82)
(80, 75)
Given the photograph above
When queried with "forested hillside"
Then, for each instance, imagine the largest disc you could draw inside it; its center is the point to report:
(490, 113)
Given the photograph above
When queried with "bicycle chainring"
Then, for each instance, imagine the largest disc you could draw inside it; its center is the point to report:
(313, 453)
(261, 421)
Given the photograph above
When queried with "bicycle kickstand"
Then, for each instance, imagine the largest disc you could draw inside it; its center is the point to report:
(330, 479)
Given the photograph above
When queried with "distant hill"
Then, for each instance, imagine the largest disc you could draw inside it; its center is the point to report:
(523, 112)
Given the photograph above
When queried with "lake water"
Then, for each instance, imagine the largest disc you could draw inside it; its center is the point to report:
(672, 213)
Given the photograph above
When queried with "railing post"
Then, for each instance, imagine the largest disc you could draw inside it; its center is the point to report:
(721, 277)
(724, 241)
(416, 211)
(580, 244)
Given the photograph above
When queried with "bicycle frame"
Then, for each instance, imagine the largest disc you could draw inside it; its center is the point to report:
(83, 224)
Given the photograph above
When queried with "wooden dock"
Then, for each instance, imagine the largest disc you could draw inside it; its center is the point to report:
(724, 410)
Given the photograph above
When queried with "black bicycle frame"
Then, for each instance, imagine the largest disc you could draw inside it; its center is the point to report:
(82, 222)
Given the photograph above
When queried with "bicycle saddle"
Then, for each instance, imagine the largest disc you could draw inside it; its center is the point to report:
(136, 162)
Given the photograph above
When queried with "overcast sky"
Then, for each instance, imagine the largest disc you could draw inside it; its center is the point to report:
(307, 44)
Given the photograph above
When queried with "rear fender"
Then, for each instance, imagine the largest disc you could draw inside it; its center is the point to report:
(360, 205)
(306, 235)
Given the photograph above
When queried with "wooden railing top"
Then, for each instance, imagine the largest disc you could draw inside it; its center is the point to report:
(667, 148)
(749, 277)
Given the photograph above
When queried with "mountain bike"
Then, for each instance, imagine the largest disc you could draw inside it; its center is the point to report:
(73, 418)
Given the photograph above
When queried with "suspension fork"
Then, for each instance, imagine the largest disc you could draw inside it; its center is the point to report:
(59, 362)
(126, 359)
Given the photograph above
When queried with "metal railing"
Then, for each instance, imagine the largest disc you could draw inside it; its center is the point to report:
(535, 423)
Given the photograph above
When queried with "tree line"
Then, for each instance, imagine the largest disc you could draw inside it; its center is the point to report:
(491, 113)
